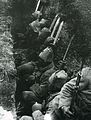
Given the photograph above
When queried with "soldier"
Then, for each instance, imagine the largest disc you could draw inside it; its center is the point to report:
(30, 73)
(33, 30)
(39, 93)
(75, 106)
(32, 34)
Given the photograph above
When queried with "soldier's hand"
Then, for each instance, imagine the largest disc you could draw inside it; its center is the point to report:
(67, 111)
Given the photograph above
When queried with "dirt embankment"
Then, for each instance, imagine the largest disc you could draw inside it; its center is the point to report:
(7, 66)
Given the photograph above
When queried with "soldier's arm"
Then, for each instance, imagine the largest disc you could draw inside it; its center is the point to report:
(66, 93)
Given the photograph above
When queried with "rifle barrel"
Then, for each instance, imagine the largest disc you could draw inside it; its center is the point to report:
(68, 47)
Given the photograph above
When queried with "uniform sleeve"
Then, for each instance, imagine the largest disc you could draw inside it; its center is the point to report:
(67, 90)
(66, 93)
(43, 90)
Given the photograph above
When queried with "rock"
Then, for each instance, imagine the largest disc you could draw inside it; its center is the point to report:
(37, 115)
(5, 115)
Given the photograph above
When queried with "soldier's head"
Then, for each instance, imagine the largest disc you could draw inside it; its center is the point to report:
(43, 23)
(37, 14)
(48, 41)
(43, 34)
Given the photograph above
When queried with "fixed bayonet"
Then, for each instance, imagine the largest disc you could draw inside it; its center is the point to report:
(53, 22)
(58, 32)
(68, 47)
(55, 27)
(38, 4)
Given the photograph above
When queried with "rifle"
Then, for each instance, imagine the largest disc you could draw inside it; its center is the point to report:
(53, 22)
(37, 10)
(45, 32)
(58, 32)
(68, 47)
(55, 27)
(76, 98)
(65, 54)
(40, 5)
(49, 50)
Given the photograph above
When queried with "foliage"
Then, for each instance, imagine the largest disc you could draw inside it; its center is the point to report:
(76, 15)
(7, 66)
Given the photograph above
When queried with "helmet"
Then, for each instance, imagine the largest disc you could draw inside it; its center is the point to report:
(35, 26)
(43, 22)
(26, 68)
(44, 33)
(47, 54)
(37, 14)
(49, 40)
(37, 106)
(45, 30)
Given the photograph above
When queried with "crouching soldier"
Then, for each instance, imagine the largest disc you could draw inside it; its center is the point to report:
(75, 98)
(30, 73)
(40, 93)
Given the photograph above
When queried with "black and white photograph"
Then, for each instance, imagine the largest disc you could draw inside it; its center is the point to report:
(45, 59)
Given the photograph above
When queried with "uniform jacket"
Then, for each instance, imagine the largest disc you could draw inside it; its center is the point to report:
(26, 74)
(84, 89)
(42, 90)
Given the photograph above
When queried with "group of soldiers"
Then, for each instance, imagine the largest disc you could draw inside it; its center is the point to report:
(46, 86)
